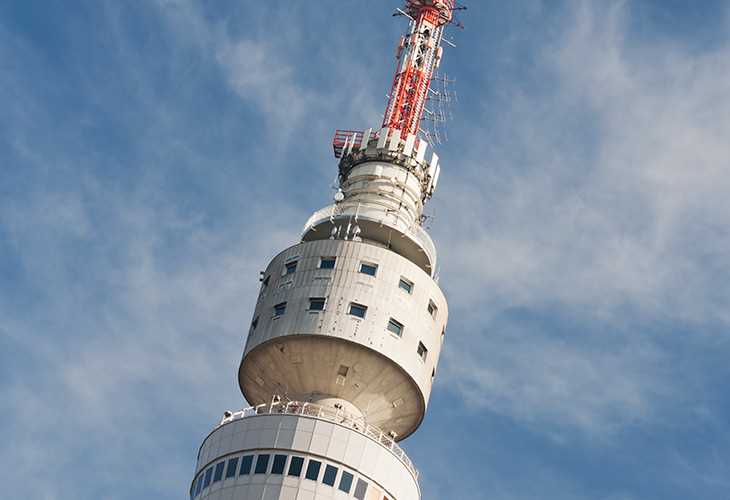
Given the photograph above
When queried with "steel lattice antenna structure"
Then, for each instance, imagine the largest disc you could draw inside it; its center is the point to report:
(347, 331)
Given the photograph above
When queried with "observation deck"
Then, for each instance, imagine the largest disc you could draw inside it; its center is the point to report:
(319, 412)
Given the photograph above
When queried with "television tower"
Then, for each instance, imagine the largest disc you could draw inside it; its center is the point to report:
(348, 326)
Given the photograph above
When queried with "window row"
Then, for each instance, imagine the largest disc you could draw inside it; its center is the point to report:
(369, 268)
(276, 464)
(358, 310)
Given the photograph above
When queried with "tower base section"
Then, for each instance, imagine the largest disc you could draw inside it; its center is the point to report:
(300, 451)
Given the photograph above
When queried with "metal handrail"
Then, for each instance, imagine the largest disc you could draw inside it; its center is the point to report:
(338, 416)
(414, 231)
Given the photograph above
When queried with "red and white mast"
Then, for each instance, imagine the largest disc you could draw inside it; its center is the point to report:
(419, 54)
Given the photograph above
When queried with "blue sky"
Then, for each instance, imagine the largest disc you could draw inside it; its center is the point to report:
(156, 154)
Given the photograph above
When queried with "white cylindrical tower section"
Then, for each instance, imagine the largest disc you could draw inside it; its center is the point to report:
(289, 452)
(384, 184)
(346, 320)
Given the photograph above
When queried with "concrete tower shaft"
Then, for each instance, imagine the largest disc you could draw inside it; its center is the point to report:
(346, 335)
(384, 183)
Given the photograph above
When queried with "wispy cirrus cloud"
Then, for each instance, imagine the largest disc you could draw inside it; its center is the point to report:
(600, 196)
(581, 221)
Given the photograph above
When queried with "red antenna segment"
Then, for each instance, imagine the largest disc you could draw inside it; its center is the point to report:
(419, 54)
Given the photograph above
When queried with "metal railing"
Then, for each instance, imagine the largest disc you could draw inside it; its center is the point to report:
(414, 231)
(339, 417)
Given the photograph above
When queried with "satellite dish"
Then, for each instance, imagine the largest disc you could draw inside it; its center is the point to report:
(339, 196)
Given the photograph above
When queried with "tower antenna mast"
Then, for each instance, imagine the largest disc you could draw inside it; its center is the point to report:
(419, 54)
(345, 339)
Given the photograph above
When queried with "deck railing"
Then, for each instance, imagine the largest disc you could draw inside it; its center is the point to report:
(413, 231)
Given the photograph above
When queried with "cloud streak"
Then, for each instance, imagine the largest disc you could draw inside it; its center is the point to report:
(608, 204)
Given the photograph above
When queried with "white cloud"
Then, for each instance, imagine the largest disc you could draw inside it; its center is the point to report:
(606, 200)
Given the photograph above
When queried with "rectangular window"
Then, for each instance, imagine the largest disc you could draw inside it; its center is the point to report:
(405, 285)
(246, 463)
(313, 470)
(327, 262)
(254, 323)
(368, 268)
(218, 471)
(265, 282)
(279, 309)
(358, 310)
(208, 477)
(330, 474)
(278, 466)
(360, 489)
(432, 309)
(422, 351)
(290, 267)
(316, 303)
(395, 327)
(345, 482)
(199, 486)
(295, 466)
(232, 466)
(262, 463)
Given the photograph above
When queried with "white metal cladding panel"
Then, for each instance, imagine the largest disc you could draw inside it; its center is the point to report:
(345, 284)
(345, 448)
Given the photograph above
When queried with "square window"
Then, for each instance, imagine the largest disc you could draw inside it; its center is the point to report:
(246, 463)
(232, 466)
(395, 327)
(358, 310)
(360, 489)
(316, 303)
(295, 466)
(262, 463)
(313, 470)
(432, 309)
(405, 285)
(330, 474)
(345, 482)
(208, 477)
(327, 262)
(279, 309)
(278, 466)
(290, 267)
(368, 268)
(422, 351)
(218, 471)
